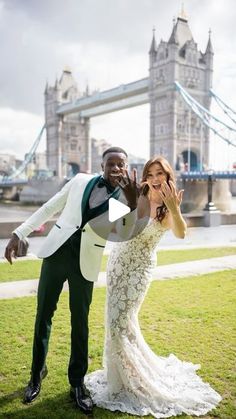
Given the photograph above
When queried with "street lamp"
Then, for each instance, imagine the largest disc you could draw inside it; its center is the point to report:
(210, 206)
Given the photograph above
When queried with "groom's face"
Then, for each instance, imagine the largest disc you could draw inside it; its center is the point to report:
(114, 165)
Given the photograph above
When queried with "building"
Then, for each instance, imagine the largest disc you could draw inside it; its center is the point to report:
(37, 167)
(173, 128)
(175, 131)
(138, 164)
(97, 149)
(8, 164)
(68, 143)
(99, 146)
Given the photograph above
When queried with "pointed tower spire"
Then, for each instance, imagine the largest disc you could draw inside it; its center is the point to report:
(183, 15)
(56, 87)
(153, 48)
(46, 88)
(87, 89)
(181, 32)
(209, 48)
(173, 37)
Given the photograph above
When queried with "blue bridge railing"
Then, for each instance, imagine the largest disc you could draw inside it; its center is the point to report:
(208, 174)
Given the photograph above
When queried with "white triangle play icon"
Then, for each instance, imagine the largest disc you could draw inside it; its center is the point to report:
(116, 210)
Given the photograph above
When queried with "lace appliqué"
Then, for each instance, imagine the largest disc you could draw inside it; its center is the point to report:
(134, 379)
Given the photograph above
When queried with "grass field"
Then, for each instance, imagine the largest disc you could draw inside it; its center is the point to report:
(192, 318)
(30, 269)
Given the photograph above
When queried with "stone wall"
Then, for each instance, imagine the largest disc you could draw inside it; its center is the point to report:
(195, 195)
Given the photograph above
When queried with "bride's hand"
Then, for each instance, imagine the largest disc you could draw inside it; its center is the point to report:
(170, 196)
(154, 192)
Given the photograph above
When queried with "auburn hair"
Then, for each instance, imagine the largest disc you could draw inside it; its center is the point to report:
(166, 167)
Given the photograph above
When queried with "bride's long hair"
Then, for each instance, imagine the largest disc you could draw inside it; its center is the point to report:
(166, 167)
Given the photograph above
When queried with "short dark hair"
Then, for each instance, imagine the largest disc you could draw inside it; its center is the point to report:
(114, 150)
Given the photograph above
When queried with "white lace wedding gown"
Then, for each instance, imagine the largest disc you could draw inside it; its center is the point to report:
(134, 379)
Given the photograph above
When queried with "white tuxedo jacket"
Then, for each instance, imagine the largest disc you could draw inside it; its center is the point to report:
(72, 199)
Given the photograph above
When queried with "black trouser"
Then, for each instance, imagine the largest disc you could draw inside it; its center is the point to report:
(62, 265)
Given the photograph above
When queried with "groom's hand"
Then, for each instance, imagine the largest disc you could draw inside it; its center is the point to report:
(130, 188)
(12, 248)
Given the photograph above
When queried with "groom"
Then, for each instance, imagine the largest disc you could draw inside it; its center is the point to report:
(74, 251)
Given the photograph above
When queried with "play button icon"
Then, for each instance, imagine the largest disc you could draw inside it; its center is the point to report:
(115, 220)
(116, 210)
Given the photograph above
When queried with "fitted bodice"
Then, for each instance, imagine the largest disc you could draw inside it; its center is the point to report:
(138, 252)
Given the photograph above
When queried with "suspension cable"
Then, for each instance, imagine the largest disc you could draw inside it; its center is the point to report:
(29, 156)
(203, 113)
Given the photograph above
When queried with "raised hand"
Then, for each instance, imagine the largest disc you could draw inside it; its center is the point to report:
(154, 192)
(170, 196)
(130, 188)
(12, 248)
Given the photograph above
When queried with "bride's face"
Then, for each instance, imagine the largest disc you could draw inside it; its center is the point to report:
(156, 176)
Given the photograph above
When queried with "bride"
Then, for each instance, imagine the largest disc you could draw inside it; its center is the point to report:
(134, 379)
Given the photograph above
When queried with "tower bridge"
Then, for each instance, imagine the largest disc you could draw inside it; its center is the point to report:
(68, 112)
(178, 89)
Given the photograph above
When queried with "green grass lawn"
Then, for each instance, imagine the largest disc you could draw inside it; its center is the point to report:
(194, 318)
(30, 269)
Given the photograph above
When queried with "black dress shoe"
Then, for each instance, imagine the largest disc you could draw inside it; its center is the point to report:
(82, 398)
(34, 386)
(32, 391)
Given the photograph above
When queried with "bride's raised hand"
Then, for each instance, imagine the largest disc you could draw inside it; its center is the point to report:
(153, 191)
(170, 196)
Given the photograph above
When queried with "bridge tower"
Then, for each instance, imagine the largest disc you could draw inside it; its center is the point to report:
(68, 143)
(175, 131)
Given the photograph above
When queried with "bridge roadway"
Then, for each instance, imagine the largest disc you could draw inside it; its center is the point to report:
(99, 103)
(8, 183)
(198, 175)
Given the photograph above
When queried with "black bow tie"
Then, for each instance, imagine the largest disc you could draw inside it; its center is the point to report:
(104, 183)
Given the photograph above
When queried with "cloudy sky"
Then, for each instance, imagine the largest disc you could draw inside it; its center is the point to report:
(105, 43)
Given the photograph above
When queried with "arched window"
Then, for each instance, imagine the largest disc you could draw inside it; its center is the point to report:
(194, 164)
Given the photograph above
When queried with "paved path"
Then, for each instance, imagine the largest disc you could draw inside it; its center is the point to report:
(224, 235)
(164, 272)
(197, 237)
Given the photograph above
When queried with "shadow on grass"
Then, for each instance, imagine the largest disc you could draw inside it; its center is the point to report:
(12, 396)
(58, 407)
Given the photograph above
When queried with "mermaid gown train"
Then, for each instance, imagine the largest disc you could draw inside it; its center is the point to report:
(134, 379)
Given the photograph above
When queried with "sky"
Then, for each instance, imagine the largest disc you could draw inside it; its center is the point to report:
(105, 43)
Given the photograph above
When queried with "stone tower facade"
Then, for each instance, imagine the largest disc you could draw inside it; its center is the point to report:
(175, 131)
(68, 143)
